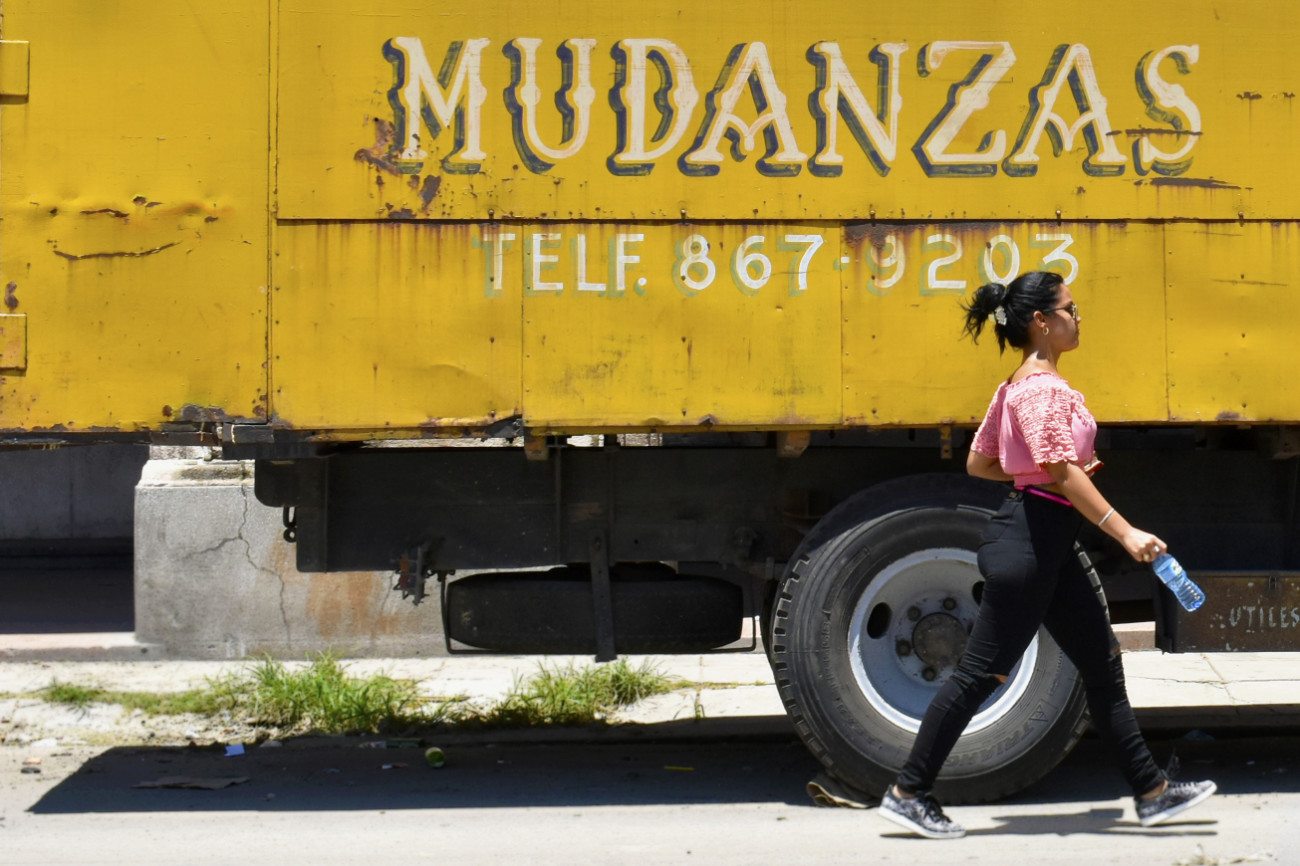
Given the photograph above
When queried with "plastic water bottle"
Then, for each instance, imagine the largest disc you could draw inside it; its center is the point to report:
(1189, 595)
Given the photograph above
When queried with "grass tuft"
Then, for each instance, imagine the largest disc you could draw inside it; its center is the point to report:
(572, 696)
(321, 697)
(72, 694)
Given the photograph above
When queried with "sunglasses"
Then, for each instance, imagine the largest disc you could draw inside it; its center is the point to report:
(1072, 309)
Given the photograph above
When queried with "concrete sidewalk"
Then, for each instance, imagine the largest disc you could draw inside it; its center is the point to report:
(1170, 691)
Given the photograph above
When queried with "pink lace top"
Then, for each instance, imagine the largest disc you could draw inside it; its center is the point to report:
(1038, 420)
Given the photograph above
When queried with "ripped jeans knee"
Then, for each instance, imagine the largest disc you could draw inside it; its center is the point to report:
(975, 681)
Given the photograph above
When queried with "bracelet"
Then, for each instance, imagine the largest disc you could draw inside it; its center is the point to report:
(1104, 519)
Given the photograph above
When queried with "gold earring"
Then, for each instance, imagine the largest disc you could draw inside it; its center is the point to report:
(1046, 331)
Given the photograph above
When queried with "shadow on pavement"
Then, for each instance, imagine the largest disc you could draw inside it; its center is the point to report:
(1103, 822)
(325, 775)
(329, 774)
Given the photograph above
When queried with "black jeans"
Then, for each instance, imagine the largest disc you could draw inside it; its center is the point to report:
(1031, 576)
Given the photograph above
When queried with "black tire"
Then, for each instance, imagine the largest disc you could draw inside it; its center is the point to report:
(894, 547)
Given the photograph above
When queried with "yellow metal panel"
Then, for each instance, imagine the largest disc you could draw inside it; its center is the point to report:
(905, 359)
(13, 342)
(1231, 325)
(385, 325)
(382, 326)
(701, 325)
(133, 196)
(13, 68)
(946, 110)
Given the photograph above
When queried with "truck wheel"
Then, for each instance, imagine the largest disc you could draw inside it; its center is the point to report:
(871, 618)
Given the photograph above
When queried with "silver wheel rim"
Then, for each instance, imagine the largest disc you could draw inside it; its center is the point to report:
(895, 684)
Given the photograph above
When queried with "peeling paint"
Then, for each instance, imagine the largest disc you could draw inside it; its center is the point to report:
(381, 154)
(1155, 130)
(1204, 183)
(116, 255)
(429, 189)
(109, 211)
(11, 299)
(204, 414)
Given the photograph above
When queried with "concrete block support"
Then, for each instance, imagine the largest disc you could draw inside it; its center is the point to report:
(215, 579)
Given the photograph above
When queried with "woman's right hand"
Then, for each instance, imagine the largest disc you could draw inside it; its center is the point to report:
(1142, 546)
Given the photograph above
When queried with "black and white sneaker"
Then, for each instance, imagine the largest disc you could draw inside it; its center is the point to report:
(920, 814)
(1178, 797)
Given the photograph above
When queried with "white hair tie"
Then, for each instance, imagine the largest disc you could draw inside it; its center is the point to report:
(1000, 315)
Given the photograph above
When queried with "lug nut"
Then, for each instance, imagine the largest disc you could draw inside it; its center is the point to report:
(950, 604)
(903, 648)
(913, 613)
(929, 674)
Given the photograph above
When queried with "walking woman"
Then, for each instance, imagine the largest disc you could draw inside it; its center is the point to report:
(1038, 434)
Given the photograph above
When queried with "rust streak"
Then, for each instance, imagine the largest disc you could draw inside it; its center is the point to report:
(130, 255)
(113, 212)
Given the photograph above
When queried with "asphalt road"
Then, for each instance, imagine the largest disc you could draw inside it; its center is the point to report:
(711, 800)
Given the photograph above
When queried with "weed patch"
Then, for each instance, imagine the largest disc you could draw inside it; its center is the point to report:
(572, 696)
(72, 694)
(324, 698)
(199, 701)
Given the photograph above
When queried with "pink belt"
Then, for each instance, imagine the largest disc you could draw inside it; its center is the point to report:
(1052, 496)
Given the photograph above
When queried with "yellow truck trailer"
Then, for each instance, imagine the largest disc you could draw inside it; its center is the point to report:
(697, 268)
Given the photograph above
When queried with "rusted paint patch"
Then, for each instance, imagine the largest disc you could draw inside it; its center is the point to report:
(204, 414)
(381, 154)
(167, 411)
(428, 190)
(279, 422)
(11, 299)
(1154, 130)
(109, 211)
(1204, 183)
(117, 255)
(1227, 416)
(401, 214)
(1249, 96)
